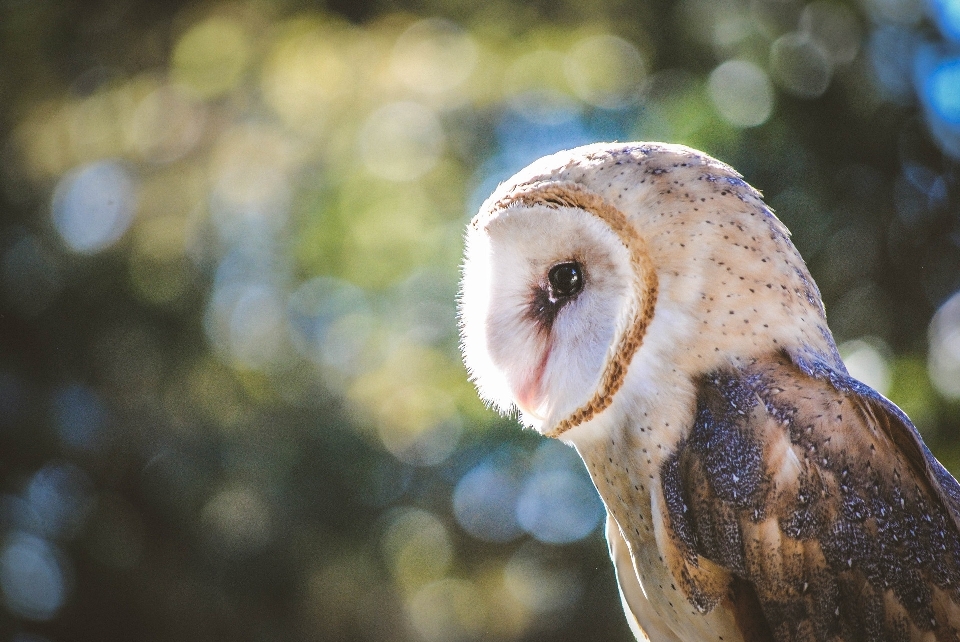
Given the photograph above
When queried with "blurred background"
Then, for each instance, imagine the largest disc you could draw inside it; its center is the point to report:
(231, 400)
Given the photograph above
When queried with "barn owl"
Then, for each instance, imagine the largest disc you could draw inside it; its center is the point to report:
(640, 303)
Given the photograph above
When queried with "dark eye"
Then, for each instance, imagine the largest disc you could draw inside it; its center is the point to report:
(566, 279)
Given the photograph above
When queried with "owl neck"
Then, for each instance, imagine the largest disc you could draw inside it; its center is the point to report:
(624, 450)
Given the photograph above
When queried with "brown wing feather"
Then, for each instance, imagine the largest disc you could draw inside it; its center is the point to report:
(898, 428)
(817, 493)
(748, 612)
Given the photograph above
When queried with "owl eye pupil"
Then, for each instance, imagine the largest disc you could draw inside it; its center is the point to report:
(566, 279)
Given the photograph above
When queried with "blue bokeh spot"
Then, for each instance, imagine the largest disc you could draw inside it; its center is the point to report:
(942, 88)
(79, 416)
(947, 15)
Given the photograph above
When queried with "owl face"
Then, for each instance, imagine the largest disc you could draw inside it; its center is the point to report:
(543, 294)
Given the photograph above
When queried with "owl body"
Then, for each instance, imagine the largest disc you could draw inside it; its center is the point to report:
(642, 304)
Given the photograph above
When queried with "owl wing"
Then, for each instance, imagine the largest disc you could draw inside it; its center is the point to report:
(819, 500)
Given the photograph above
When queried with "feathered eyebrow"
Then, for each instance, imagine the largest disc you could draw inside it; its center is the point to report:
(547, 194)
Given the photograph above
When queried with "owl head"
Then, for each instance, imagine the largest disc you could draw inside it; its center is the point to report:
(594, 273)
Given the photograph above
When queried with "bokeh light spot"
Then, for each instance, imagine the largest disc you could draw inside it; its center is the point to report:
(401, 141)
(237, 520)
(251, 190)
(943, 91)
(834, 27)
(484, 502)
(308, 75)
(558, 503)
(800, 65)
(159, 268)
(416, 439)
(537, 88)
(434, 56)
(891, 49)
(605, 71)
(60, 496)
(449, 610)
(559, 506)
(742, 93)
(730, 26)
(32, 577)
(257, 327)
(912, 389)
(944, 355)
(95, 124)
(247, 322)
(166, 125)
(540, 584)
(416, 546)
(409, 398)
(866, 362)
(390, 236)
(211, 57)
(947, 15)
(330, 322)
(94, 205)
(79, 416)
